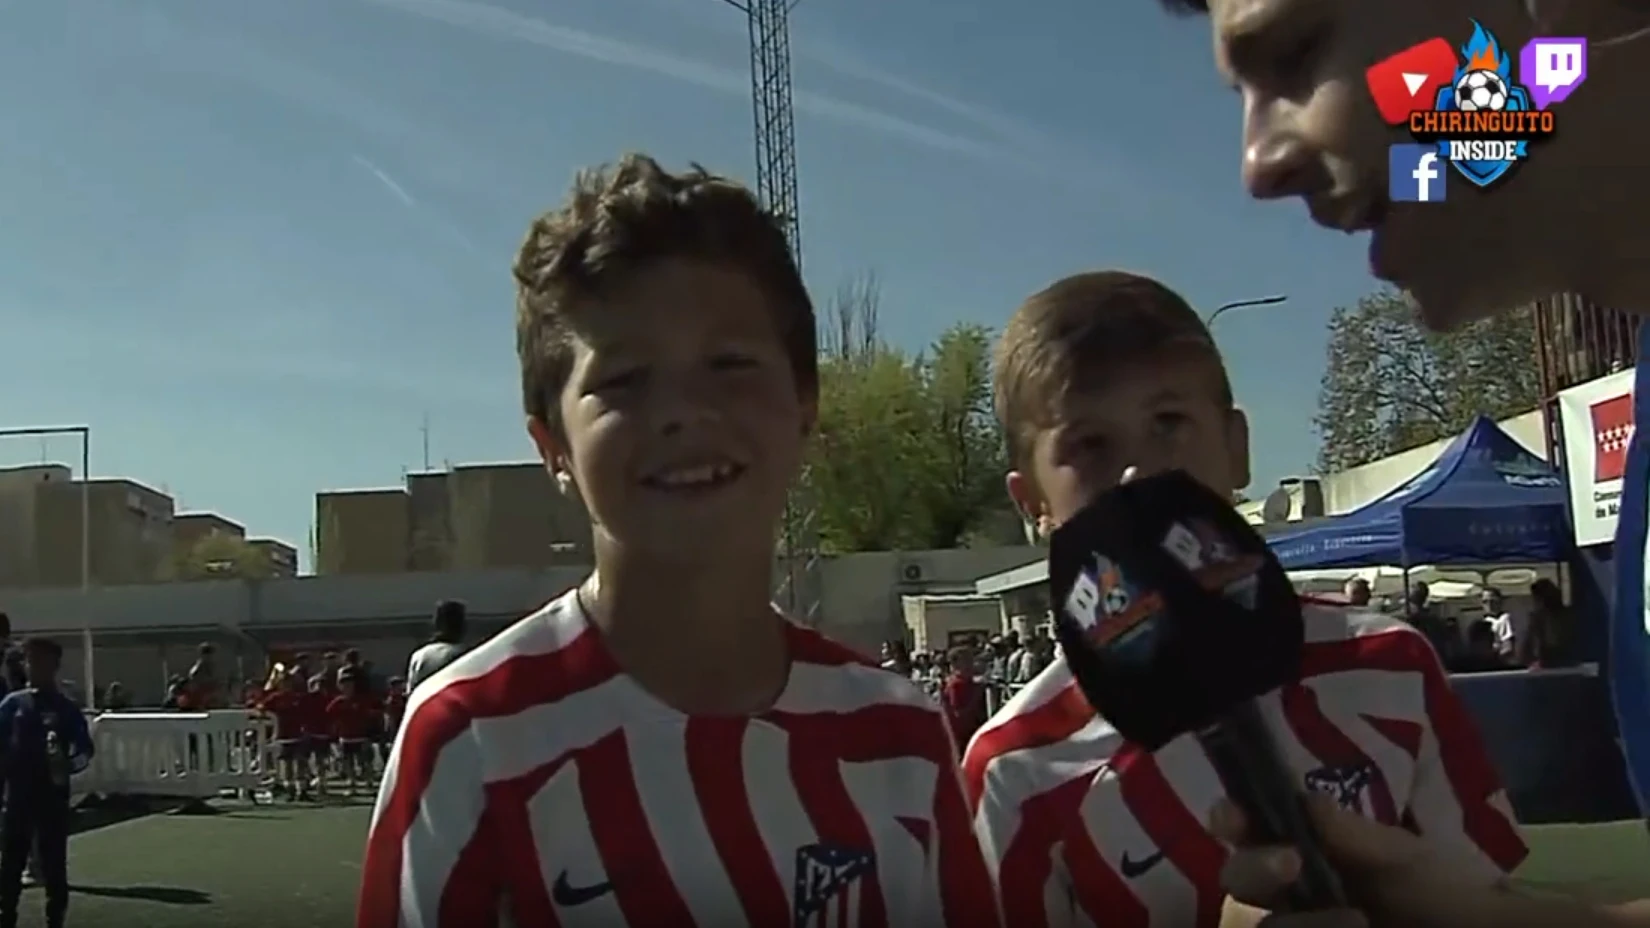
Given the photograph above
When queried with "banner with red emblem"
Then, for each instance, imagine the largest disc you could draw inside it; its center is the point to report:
(1597, 422)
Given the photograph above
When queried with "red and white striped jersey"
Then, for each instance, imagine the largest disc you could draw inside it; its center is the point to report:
(536, 784)
(1083, 828)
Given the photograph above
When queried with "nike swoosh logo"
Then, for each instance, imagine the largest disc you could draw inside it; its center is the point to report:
(1136, 867)
(566, 895)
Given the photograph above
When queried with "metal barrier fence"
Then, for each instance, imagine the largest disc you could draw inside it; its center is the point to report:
(180, 755)
(1551, 735)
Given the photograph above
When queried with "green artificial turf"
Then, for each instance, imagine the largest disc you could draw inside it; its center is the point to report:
(245, 866)
(287, 866)
(1604, 862)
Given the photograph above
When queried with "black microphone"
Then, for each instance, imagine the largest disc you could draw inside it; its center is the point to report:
(1173, 617)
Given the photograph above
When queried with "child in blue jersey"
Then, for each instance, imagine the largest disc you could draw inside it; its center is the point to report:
(44, 738)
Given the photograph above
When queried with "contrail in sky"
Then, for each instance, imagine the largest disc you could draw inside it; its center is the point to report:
(389, 183)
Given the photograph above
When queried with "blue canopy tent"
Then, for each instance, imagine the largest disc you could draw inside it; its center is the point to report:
(1484, 500)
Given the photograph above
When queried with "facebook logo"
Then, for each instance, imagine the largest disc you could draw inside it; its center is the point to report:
(1417, 174)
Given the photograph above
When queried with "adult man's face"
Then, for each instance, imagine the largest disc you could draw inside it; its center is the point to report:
(1311, 130)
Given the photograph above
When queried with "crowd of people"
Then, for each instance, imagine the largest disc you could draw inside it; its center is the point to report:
(333, 715)
(333, 723)
(970, 682)
(1494, 635)
(334, 726)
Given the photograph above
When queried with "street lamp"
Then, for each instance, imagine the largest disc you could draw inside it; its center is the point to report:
(1209, 320)
(84, 433)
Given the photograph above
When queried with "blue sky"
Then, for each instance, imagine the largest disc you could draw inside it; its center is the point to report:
(254, 244)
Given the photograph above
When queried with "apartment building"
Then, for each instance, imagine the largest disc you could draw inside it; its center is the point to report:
(282, 557)
(189, 529)
(468, 518)
(129, 529)
(362, 532)
(512, 515)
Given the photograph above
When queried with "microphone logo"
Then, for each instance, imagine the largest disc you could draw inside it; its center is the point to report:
(1213, 563)
(1112, 612)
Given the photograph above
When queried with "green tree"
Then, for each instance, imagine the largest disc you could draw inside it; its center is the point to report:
(964, 461)
(1390, 385)
(219, 557)
(906, 453)
(862, 460)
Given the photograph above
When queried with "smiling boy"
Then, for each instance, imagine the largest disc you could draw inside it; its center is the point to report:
(659, 746)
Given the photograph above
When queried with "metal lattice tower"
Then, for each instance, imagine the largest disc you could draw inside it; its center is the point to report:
(771, 105)
(776, 187)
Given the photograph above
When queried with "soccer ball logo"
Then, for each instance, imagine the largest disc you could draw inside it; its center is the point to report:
(1480, 90)
(1115, 600)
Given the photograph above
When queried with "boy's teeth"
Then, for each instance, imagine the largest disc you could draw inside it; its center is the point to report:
(694, 476)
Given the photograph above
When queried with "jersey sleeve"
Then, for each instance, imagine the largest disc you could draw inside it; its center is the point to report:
(1022, 831)
(966, 893)
(1457, 800)
(428, 863)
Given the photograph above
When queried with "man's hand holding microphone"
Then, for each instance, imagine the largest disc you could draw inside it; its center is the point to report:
(1394, 880)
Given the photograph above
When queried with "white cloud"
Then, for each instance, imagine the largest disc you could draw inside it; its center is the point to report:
(1001, 131)
(1000, 139)
(436, 157)
(482, 19)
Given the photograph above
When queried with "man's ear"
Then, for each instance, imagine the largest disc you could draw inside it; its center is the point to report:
(1029, 503)
(1237, 448)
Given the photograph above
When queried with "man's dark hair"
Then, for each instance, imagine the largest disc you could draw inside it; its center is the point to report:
(45, 647)
(5, 625)
(449, 621)
(1547, 594)
(1185, 7)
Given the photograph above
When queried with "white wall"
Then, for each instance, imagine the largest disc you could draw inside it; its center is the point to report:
(862, 591)
(1350, 489)
(861, 602)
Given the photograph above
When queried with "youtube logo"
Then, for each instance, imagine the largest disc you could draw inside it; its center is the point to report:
(1409, 80)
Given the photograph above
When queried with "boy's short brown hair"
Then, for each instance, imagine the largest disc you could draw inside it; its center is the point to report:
(1070, 334)
(619, 219)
